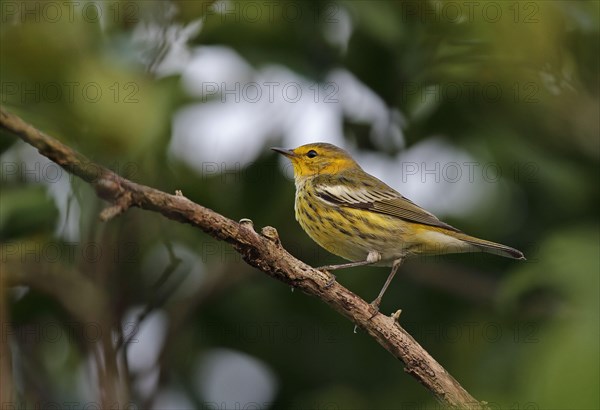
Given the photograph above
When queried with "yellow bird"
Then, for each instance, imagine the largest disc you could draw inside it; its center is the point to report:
(354, 215)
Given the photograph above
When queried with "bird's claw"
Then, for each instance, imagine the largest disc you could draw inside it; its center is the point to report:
(325, 270)
(331, 280)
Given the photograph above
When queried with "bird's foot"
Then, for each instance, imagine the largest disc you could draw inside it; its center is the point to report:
(325, 270)
(331, 280)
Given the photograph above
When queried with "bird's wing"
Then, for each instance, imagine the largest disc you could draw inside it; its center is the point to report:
(380, 199)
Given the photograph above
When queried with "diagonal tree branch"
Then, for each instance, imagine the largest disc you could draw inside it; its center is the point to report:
(261, 250)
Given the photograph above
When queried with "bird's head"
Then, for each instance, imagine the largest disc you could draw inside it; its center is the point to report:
(318, 159)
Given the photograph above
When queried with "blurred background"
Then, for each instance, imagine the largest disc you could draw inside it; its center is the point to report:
(484, 113)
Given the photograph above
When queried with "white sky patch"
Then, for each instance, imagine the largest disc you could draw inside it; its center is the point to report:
(362, 105)
(313, 123)
(214, 65)
(212, 133)
(337, 25)
(145, 346)
(234, 380)
(358, 101)
(146, 382)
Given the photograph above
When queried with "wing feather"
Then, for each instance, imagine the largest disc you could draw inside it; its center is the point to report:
(383, 201)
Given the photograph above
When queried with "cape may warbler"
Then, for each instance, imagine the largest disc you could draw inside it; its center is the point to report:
(356, 216)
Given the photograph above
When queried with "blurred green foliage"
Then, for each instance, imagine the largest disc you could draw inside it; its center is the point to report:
(527, 338)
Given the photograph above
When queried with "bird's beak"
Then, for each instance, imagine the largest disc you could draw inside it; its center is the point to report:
(287, 152)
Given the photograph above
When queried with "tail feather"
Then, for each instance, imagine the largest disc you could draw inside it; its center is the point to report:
(492, 247)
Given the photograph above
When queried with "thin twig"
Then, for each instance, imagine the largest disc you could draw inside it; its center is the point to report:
(156, 301)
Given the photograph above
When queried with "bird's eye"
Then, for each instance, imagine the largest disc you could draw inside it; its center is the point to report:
(311, 154)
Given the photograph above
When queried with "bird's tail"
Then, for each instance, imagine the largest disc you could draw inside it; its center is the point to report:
(490, 247)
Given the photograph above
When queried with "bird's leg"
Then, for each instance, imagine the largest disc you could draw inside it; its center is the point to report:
(344, 265)
(372, 257)
(375, 304)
